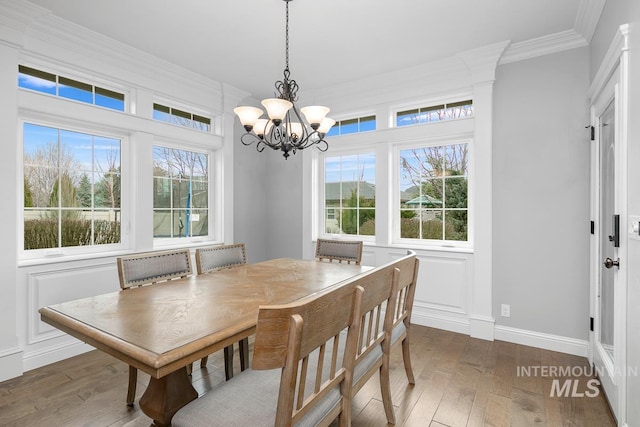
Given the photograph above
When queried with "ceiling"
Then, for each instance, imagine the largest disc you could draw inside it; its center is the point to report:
(241, 42)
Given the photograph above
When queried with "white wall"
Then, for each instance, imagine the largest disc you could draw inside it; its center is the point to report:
(541, 194)
(617, 13)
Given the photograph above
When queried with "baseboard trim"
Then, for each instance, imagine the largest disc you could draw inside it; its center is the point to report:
(541, 340)
(441, 322)
(46, 356)
(10, 363)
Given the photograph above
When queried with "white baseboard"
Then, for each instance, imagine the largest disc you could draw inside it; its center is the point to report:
(46, 356)
(10, 364)
(541, 340)
(517, 336)
(441, 322)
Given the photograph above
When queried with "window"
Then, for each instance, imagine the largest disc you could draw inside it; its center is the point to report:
(433, 192)
(435, 113)
(350, 194)
(71, 188)
(180, 193)
(41, 81)
(359, 124)
(181, 118)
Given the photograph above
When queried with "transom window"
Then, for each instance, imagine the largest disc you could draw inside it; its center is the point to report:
(72, 188)
(358, 124)
(180, 193)
(350, 194)
(64, 87)
(435, 113)
(433, 192)
(181, 118)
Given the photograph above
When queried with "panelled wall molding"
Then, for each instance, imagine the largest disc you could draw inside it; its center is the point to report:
(482, 64)
(10, 358)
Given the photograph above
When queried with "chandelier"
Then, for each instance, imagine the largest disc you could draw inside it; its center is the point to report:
(285, 128)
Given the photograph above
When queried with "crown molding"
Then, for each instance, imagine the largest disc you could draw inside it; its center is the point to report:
(545, 45)
(482, 62)
(587, 18)
(618, 46)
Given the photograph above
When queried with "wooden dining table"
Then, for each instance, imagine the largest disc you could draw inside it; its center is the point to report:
(160, 329)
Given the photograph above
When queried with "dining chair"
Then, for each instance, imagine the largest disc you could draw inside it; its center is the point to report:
(214, 258)
(379, 309)
(146, 269)
(340, 250)
(290, 383)
(400, 332)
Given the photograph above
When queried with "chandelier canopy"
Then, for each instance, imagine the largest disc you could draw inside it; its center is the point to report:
(285, 129)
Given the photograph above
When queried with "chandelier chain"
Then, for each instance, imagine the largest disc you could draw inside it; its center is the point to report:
(287, 36)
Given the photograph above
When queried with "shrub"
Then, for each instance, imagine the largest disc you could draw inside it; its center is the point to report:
(43, 233)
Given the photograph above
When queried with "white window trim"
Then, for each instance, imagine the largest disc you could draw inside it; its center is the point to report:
(84, 78)
(444, 99)
(320, 189)
(395, 202)
(76, 252)
(214, 197)
(216, 125)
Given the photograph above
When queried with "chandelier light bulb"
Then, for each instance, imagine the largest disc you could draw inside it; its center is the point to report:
(276, 108)
(262, 127)
(248, 116)
(326, 125)
(315, 114)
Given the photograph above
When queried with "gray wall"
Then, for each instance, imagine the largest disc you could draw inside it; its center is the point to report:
(541, 194)
(283, 188)
(250, 198)
(267, 201)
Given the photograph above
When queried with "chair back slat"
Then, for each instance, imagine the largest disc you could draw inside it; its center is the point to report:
(153, 267)
(340, 250)
(306, 331)
(220, 256)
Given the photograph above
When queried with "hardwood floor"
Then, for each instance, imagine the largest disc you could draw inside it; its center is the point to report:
(460, 381)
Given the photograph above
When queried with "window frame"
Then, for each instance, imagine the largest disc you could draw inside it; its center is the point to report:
(395, 199)
(370, 149)
(426, 103)
(125, 184)
(96, 83)
(214, 196)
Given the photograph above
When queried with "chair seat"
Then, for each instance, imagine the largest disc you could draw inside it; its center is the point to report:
(248, 399)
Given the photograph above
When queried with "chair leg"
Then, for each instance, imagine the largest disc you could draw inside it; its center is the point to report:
(189, 369)
(133, 379)
(203, 361)
(385, 390)
(406, 357)
(228, 362)
(243, 345)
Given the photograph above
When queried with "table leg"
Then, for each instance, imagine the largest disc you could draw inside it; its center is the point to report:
(165, 396)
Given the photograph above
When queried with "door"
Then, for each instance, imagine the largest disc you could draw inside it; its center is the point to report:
(608, 296)
(608, 259)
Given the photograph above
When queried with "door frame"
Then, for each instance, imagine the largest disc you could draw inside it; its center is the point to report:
(611, 84)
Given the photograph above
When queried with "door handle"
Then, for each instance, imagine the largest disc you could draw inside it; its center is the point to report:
(608, 262)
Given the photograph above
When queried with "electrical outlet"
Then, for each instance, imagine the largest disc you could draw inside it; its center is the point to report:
(505, 310)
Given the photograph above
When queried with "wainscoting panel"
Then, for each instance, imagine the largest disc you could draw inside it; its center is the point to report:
(60, 285)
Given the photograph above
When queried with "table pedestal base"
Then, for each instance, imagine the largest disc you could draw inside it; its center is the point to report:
(165, 396)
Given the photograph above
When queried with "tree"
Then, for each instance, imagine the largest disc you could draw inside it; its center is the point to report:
(356, 213)
(84, 192)
(28, 198)
(42, 170)
(64, 195)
